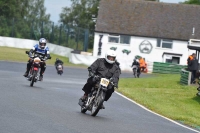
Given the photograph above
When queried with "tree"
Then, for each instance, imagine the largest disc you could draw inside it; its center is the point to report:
(195, 2)
(80, 14)
(19, 20)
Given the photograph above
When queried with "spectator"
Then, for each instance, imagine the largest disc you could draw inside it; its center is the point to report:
(193, 67)
(190, 58)
(142, 64)
(145, 66)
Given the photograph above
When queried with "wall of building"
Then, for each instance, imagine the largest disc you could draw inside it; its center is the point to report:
(154, 55)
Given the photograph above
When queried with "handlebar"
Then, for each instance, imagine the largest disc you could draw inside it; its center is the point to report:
(97, 77)
(37, 55)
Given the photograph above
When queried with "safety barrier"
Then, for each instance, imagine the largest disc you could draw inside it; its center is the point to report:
(185, 77)
(167, 68)
(149, 67)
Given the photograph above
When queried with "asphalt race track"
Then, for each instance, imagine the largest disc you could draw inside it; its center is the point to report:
(52, 106)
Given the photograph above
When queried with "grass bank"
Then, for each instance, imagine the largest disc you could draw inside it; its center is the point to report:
(18, 55)
(164, 95)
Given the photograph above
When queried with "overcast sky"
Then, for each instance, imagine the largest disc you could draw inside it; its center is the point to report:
(54, 7)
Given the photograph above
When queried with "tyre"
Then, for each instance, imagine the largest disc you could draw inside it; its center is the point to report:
(83, 110)
(138, 75)
(134, 73)
(97, 103)
(33, 78)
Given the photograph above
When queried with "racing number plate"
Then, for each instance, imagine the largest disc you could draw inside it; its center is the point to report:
(104, 82)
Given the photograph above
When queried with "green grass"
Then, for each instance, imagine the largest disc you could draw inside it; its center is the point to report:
(164, 95)
(15, 54)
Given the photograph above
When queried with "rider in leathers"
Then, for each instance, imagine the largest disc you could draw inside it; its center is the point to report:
(105, 68)
(136, 63)
(40, 49)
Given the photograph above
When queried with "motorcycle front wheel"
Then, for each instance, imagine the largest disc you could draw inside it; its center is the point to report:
(135, 73)
(33, 78)
(97, 103)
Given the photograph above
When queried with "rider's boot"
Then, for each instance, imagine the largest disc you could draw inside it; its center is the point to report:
(40, 77)
(27, 70)
(25, 74)
(83, 98)
(102, 106)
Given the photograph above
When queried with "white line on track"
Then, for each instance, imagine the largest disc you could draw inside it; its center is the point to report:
(156, 113)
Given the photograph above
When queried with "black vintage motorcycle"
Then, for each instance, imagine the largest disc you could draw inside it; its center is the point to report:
(59, 68)
(95, 99)
(135, 71)
(33, 73)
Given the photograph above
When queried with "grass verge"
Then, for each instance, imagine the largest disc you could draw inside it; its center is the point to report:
(164, 95)
(15, 54)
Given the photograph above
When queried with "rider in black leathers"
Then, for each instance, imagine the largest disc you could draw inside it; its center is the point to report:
(105, 68)
(57, 62)
(135, 62)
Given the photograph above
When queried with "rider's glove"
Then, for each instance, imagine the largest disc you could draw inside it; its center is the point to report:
(91, 74)
(30, 54)
(115, 86)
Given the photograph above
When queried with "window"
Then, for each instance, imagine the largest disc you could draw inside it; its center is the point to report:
(174, 60)
(164, 43)
(114, 39)
(122, 39)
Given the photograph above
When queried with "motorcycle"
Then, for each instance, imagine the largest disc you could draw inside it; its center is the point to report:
(59, 68)
(135, 71)
(33, 73)
(95, 99)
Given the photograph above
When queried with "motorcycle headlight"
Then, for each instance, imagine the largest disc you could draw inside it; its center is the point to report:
(36, 62)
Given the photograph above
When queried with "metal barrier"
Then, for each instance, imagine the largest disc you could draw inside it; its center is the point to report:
(185, 77)
(167, 68)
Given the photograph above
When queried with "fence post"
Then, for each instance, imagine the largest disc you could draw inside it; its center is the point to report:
(86, 40)
(60, 38)
(52, 34)
(67, 39)
(42, 30)
(31, 35)
(189, 78)
(77, 38)
(13, 26)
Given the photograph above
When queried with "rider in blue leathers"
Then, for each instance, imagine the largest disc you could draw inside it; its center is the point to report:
(40, 49)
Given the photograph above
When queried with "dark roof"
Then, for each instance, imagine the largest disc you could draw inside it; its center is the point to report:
(148, 19)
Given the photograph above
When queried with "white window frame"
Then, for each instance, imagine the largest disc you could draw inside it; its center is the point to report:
(119, 39)
(161, 43)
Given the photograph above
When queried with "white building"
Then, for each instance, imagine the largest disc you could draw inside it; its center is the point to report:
(159, 32)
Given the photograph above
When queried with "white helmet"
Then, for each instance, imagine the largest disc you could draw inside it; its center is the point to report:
(110, 53)
(41, 42)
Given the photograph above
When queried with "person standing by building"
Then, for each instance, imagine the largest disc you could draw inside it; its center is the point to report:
(193, 67)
